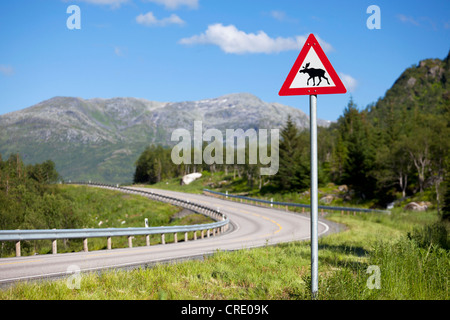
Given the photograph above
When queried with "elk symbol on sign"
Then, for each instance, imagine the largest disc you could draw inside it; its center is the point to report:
(313, 73)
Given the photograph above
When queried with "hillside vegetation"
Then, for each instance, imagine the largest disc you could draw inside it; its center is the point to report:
(391, 150)
(30, 199)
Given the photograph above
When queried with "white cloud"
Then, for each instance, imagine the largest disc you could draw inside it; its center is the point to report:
(6, 70)
(350, 83)
(281, 16)
(120, 52)
(232, 40)
(419, 22)
(175, 4)
(406, 19)
(112, 3)
(149, 19)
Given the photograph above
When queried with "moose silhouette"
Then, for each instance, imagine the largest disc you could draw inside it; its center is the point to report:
(313, 73)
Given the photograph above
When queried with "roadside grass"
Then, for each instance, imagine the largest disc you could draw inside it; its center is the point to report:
(222, 182)
(101, 208)
(410, 269)
(196, 186)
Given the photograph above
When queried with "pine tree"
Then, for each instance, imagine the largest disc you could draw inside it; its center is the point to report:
(291, 173)
(360, 156)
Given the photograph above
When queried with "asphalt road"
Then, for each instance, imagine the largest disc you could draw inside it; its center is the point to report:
(252, 226)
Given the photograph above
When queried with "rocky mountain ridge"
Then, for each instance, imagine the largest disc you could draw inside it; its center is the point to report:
(100, 139)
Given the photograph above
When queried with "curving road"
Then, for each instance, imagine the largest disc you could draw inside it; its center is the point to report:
(252, 226)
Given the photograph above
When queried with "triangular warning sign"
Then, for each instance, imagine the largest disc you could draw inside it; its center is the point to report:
(312, 73)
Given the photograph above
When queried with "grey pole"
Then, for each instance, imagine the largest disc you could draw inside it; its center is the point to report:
(314, 208)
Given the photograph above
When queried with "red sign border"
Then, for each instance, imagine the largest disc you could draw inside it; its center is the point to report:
(310, 43)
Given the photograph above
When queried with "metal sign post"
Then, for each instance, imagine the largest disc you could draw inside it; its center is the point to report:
(314, 206)
(312, 74)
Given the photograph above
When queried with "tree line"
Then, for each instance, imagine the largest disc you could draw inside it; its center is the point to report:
(383, 154)
(28, 197)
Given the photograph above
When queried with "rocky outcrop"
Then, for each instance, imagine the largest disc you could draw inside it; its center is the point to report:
(187, 179)
(417, 206)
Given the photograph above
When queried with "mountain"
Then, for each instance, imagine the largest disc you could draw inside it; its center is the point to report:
(424, 87)
(100, 139)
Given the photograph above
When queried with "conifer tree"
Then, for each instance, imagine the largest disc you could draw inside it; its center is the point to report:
(291, 173)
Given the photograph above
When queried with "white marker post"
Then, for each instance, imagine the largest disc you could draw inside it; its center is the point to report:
(312, 74)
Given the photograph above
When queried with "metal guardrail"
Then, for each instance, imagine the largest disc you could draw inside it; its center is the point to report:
(44, 234)
(220, 226)
(299, 205)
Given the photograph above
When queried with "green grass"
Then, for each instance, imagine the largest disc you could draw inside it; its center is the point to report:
(222, 182)
(409, 269)
(102, 208)
(196, 186)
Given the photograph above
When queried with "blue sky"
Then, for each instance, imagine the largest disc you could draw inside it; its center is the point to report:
(178, 50)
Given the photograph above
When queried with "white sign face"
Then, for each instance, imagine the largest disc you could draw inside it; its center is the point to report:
(312, 73)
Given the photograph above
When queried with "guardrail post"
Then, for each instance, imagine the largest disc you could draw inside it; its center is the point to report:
(163, 238)
(195, 235)
(108, 243)
(54, 247)
(147, 240)
(17, 248)
(85, 245)
(185, 236)
(203, 234)
(175, 237)
(130, 241)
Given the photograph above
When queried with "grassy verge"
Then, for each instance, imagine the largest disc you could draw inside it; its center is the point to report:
(328, 194)
(101, 208)
(410, 268)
